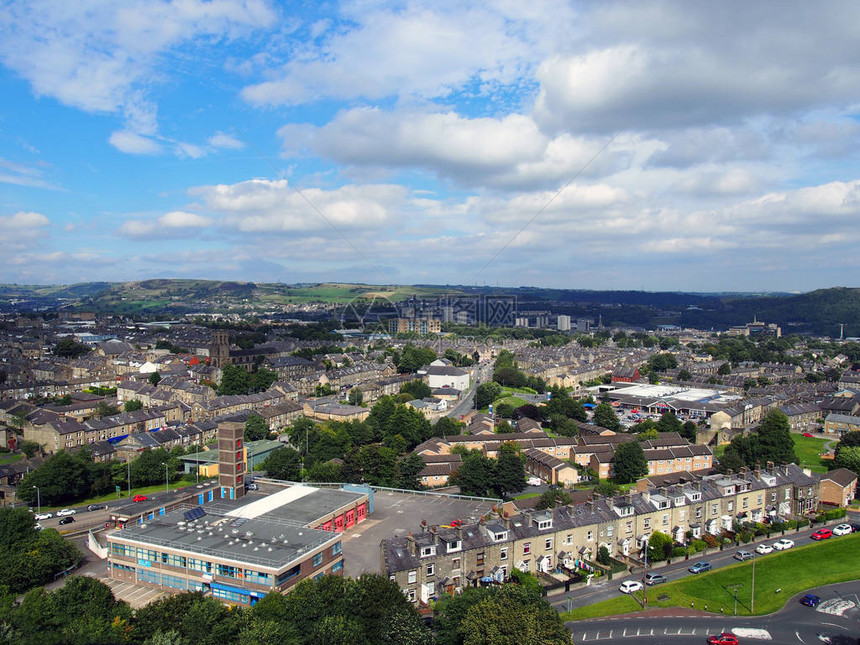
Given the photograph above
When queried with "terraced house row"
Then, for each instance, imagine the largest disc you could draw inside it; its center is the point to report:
(437, 561)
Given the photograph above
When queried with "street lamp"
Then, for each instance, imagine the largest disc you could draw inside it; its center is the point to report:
(166, 480)
(38, 499)
(128, 463)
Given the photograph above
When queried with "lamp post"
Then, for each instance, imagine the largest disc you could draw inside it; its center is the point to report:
(38, 500)
(166, 480)
(752, 597)
(128, 463)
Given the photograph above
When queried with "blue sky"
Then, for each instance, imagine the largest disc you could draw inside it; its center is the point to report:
(603, 145)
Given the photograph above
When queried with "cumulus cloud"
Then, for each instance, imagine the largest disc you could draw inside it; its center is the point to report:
(99, 57)
(168, 224)
(260, 206)
(24, 220)
(414, 50)
(671, 64)
(508, 152)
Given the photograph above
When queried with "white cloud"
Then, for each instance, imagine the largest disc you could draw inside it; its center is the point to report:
(132, 143)
(101, 56)
(227, 141)
(260, 206)
(508, 152)
(170, 224)
(24, 220)
(23, 175)
(673, 63)
(414, 50)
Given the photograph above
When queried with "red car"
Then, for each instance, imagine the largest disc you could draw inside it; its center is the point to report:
(726, 638)
(822, 534)
(139, 498)
(807, 434)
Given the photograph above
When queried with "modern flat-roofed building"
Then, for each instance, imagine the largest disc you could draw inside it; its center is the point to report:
(238, 550)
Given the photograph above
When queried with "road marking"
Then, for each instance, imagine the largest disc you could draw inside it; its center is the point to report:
(832, 625)
(796, 633)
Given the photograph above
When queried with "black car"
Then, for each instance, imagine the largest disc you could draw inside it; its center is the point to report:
(67, 520)
(855, 528)
(655, 579)
(96, 507)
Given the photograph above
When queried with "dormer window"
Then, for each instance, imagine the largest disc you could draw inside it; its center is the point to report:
(544, 524)
(427, 551)
(455, 545)
(501, 536)
(624, 510)
(679, 501)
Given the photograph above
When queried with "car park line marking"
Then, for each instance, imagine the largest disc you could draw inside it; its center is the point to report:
(832, 625)
(796, 633)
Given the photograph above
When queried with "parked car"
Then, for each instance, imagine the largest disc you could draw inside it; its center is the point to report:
(743, 556)
(855, 528)
(783, 544)
(252, 486)
(726, 638)
(842, 529)
(810, 600)
(139, 498)
(700, 567)
(39, 527)
(67, 520)
(629, 586)
(764, 549)
(652, 579)
(96, 507)
(66, 511)
(43, 516)
(808, 434)
(822, 534)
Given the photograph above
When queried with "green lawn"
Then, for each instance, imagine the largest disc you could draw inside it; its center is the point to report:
(808, 450)
(792, 571)
(527, 495)
(10, 458)
(511, 400)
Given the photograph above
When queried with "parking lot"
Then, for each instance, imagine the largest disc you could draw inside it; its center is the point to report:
(396, 514)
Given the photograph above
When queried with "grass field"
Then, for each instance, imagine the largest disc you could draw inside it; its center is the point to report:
(10, 458)
(136, 490)
(808, 450)
(790, 572)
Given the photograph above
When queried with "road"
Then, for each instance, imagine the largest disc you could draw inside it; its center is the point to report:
(675, 571)
(793, 624)
(467, 402)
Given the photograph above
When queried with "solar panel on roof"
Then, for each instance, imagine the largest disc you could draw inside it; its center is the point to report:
(194, 514)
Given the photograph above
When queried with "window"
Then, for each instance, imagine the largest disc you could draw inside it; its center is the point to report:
(665, 519)
(337, 548)
(590, 536)
(647, 523)
(431, 588)
(526, 565)
(430, 569)
(759, 500)
(714, 509)
(501, 536)
(773, 496)
(318, 558)
(629, 527)
(545, 524)
(787, 493)
(455, 545)
(480, 559)
(730, 506)
(547, 544)
(699, 512)
(412, 577)
(527, 548)
(410, 595)
(427, 551)
(609, 530)
(746, 502)
(503, 554)
(456, 563)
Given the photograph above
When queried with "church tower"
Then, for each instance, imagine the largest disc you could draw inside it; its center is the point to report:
(219, 350)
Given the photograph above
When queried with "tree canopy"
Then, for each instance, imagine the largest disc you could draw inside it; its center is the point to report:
(629, 462)
(604, 416)
(770, 441)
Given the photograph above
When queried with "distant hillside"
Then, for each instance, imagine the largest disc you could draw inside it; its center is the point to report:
(818, 312)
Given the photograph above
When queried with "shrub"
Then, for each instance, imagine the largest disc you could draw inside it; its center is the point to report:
(745, 536)
(679, 552)
(710, 540)
(800, 524)
(698, 545)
